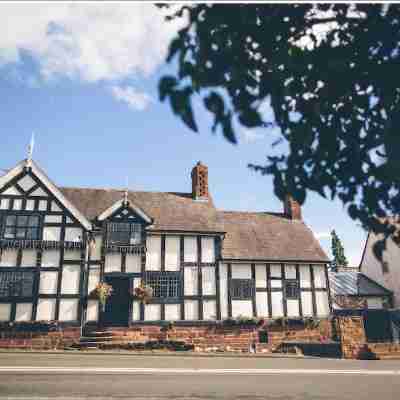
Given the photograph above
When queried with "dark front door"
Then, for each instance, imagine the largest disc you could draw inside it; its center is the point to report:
(117, 306)
(377, 326)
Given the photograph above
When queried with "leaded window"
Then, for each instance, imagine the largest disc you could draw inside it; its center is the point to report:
(16, 283)
(292, 291)
(165, 284)
(125, 233)
(242, 289)
(21, 226)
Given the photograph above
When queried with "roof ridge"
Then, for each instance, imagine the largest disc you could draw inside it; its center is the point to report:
(120, 190)
(251, 212)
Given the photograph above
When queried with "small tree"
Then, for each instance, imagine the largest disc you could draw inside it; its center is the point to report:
(339, 259)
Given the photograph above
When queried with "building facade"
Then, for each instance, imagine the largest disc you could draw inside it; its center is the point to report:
(203, 264)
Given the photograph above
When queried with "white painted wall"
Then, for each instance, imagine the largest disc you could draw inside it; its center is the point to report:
(306, 303)
(277, 304)
(153, 255)
(70, 279)
(23, 312)
(241, 271)
(30, 205)
(152, 312)
(172, 312)
(208, 281)
(8, 258)
(223, 291)
(28, 258)
(5, 311)
(292, 307)
(375, 302)
(51, 258)
(4, 204)
(72, 255)
(261, 276)
(42, 205)
(322, 301)
(242, 308)
(93, 279)
(96, 248)
(48, 282)
(68, 310)
(290, 272)
(46, 310)
(26, 183)
(305, 276)
(262, 304)
(191, 310)
(133, 263)
(92, 311)
(112, 262)
(73, 234)
(172, 253)
(319, 276)
(207, 250)
(39, 192)
(54, 207)
(52, 233)
(209, 310)
(135, 311)
(275, 271)
(17, 204)
(190, 249)
(53, 219)
(191, 281)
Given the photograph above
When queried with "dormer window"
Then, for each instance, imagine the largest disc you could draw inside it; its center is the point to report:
(20, 226)
(124, 233)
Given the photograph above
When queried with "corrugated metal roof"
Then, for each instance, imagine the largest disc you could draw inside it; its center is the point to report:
(354, 284)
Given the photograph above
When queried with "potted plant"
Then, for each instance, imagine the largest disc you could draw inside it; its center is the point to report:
(143, 292)
(103, 292)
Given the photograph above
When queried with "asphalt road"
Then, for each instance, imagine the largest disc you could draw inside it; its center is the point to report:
(76, 376)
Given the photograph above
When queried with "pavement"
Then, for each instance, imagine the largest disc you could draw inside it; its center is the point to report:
(120, 376)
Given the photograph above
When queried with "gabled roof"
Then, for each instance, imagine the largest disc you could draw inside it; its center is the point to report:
(121, 203)
(19, 168)
(268, 236)
(355, 284)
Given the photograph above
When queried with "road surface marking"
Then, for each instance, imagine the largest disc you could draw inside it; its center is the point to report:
(195, 371)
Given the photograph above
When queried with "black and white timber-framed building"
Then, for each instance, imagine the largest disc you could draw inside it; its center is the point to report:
(203, 264)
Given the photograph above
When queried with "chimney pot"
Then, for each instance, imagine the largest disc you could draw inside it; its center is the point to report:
(200, 182)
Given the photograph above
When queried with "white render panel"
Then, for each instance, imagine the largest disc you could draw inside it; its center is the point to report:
(292, 307)
(191, 281)
(172, 312)
(136, 311)
(223, 290)
(70, 279)
(92, 311)
(46, 310)
(262, 304)
(276, 283)
(28, 258)
(305, 276)
(136, 282)
(275, 271)
(68, 310)
(172, 253)
(30, 205)
(42, 205)
(17, 204)
(72, 255)
(321, 298)
(190, 249)
(319, 276)
(26, 183)
(23, 312)
(12, 191)
(51, 233)
(93, 279)
(242, 308)
(290, 272)
(261, 276)
(207, 250)
(375, 302)
(241, 271)
(39, 192)
(55, 207)
(96, 248)
(48, 282)
(133, 263)
(152, 312)
(4, 204)
(112, 262)
(52, 219)
(73, 235)
(208, 281)
(153, 256)
(51, 258)
(306, 304)
(209, 310)
(8, 258)
(277, 304)
(5, 311)
(191, 310)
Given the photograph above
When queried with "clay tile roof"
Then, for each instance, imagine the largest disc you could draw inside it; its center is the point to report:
(268, 236)
(249, 236)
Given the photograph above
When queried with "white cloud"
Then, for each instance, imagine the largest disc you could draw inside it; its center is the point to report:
(92, 42)
(136, 100)
(251, 135)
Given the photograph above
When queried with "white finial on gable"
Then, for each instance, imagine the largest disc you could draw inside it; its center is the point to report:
(126, 191)
(30, 151)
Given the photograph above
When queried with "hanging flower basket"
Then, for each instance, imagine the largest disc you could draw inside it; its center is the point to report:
(103, 292)
(143, 292)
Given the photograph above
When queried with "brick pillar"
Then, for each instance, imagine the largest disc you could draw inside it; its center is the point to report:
(200, 182)
(352, 335)
(291, 208)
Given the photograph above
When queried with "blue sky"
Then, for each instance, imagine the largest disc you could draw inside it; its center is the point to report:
(84, 79)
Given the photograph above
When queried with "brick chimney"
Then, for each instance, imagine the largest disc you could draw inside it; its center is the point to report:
(200, 182)
(291, 208)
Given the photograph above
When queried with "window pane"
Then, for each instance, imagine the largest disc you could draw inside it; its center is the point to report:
(33, 221)
(32, 233)
(20, 233)
(22, 220)
(9, 233)
(10, 220)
